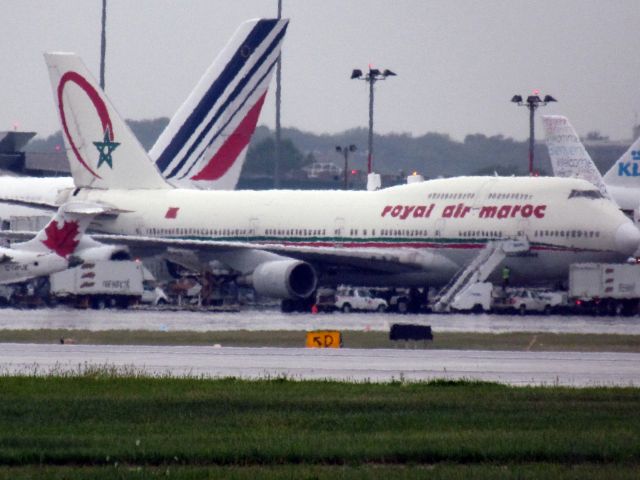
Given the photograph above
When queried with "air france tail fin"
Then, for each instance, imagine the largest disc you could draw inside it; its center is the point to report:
(65, 230)
(568, 156)
(102, 150)
(626, 171)
(205, 144)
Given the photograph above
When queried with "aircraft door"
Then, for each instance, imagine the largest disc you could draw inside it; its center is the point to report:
(339, 230)
(254, 227)
(439, 228)
(523, 229)
(480, 198)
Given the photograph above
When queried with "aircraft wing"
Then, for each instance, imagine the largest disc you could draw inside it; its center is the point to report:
(380, 260)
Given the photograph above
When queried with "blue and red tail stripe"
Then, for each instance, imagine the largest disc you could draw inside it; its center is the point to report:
(184, 134)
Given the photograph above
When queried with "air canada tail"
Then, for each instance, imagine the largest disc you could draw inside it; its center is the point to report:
(568, 156)
(626, 171)
(102, 150)
(63, 233)
(205, 144)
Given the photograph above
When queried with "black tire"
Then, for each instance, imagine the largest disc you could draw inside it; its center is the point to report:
(381, 309)
(403, 306)
(522, 310)
(546, 310)
(346, 308)
(99, 303)
(477, 308)
(287, 305)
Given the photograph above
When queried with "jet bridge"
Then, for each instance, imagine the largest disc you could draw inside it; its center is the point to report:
(477, 271)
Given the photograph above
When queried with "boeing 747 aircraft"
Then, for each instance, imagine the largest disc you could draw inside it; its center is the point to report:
(286, 243)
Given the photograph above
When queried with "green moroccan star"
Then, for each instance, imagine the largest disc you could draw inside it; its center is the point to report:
(105, 148)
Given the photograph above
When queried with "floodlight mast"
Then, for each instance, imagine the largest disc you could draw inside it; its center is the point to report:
(371, 77)
(345, 152)
(532, 103)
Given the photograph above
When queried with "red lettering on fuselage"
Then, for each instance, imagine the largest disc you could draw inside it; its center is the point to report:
(512, 211)
(460, 210)
(404, 211)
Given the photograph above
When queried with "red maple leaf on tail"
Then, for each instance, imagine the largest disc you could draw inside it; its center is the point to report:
(61, 240)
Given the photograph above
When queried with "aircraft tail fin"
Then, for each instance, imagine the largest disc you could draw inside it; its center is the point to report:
(63, 233)
(206, 141)
(626, 171)
(568, 156)
(102, 150)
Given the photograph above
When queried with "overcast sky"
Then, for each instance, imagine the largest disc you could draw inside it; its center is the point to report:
(458, 62)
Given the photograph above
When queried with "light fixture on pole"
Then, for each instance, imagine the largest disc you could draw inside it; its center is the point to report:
(371, 77)
(532, 103)
(345, 151)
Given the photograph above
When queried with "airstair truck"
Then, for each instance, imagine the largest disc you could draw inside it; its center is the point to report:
(103, 284)
(605, 288)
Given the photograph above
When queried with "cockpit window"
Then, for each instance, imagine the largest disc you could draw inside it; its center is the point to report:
(592, 194)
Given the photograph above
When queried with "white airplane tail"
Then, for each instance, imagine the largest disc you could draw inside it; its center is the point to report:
(64, 232)
(568, 156)
(626, 171)
(102, 150)
(205, 144)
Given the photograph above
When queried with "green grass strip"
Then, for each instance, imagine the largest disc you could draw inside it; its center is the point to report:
(524, 341)
(98, 423)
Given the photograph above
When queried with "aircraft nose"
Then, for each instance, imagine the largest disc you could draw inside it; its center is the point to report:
(627, 239)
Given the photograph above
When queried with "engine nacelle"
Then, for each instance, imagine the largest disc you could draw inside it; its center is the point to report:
(284, 279)
(103, 252)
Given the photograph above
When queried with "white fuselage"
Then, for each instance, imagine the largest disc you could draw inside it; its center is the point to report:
(18, 266)
(442, 222)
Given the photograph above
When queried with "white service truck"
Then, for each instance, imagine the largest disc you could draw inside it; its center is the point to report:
(605, 288)
(102, 284)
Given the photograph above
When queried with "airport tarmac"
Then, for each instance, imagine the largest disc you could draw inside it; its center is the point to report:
(271, 319)
(576, 369)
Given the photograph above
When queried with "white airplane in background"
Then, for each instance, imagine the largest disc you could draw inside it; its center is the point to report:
(57, 246)
(205, 143)
(285, 243)
(569, 158)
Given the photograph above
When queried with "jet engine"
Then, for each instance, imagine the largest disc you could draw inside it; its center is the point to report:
(103, 252)
(284, 279)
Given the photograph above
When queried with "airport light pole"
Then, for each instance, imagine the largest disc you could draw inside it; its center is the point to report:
(345, 151)
(276, 164)
(532, 103)
(371, 78)
(103, 42)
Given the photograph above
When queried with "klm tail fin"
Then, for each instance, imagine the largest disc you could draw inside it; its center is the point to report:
(205, 143)
(65, 230)
(102, 151)
(626, 171)
(568, 156)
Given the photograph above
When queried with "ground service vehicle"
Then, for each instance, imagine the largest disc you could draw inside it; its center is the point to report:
(348, 299)
(99, 285)
(605, 288)
(519, 300)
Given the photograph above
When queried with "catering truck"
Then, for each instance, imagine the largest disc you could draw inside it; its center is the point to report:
(605, 288)
(103, 284)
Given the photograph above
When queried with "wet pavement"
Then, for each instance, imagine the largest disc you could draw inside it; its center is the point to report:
(270, 319)
(576, 369)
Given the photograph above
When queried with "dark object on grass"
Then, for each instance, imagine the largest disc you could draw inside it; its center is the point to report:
(410, 332)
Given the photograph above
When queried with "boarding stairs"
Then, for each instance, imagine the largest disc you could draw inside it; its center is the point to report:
(477, 271)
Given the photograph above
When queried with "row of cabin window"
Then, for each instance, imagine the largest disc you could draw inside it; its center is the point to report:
(451, 196)
(199, 231)
(510, 196)
(481, 233)
(295, 231)
(567, 233)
